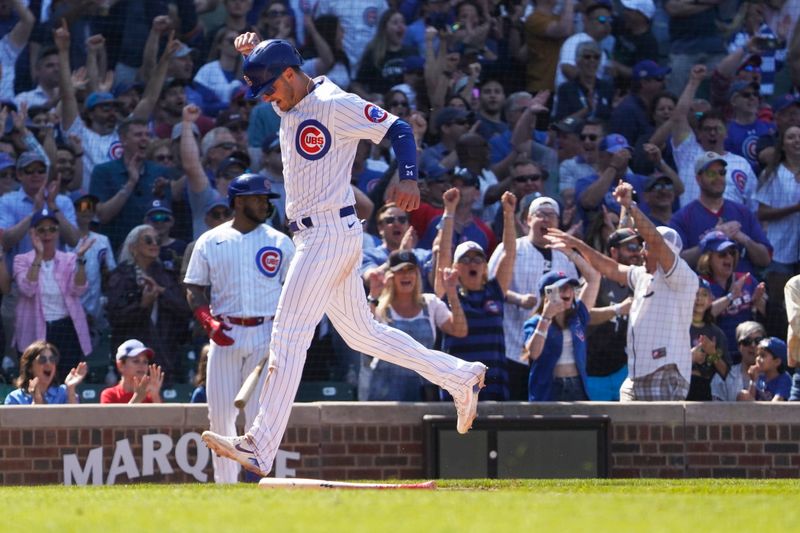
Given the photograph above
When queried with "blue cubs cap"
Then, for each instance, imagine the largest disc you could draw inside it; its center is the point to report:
(613, 143)
(557, 279)
(776, 347)
(716, 241)
(97, 98)
(251, 185)
(6, 161)
(43, 214)
(266, 63)
(159, 206)
(649, 69)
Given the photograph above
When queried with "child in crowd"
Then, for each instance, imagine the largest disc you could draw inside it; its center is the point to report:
(138, 383)
(769, 380)
(199, 392)
(709, 347)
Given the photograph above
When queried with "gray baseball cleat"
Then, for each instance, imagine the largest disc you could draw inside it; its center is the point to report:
(237, 449)
(467, 405)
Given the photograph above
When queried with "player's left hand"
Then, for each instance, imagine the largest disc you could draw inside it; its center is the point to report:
(405, 193)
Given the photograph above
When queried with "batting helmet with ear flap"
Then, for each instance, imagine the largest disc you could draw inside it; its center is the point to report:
(250, 185)
(266, 63)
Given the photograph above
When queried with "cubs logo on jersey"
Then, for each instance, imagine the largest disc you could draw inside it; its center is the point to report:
(375, 114)
(739, 179)
(749, 147)
(115, 150)
(268, 260)
(312, 140)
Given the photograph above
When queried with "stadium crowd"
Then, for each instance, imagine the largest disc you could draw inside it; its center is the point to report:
(650, 249)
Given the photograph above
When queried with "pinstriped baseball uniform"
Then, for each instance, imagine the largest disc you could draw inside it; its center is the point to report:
(245, 273)
(318, 143)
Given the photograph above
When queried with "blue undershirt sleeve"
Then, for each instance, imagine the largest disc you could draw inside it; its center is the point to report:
(405, 149)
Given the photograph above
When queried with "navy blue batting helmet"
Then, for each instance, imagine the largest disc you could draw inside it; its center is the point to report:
(266, 63)
(250, 185)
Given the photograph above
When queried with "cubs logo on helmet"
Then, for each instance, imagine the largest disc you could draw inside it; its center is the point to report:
(115, 150)
(739, 179)
(375, 114)
(313, 140)
(268, 260)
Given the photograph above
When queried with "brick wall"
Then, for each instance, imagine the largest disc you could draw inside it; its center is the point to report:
(384, 441)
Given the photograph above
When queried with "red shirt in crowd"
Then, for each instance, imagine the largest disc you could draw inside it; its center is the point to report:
(117, 394)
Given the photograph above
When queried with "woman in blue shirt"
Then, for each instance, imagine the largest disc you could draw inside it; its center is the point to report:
(37, 382)
(555, 337)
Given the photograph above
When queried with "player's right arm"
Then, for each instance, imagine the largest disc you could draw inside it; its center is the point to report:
(197, 282)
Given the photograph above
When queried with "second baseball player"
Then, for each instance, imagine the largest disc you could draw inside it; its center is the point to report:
(242, 264)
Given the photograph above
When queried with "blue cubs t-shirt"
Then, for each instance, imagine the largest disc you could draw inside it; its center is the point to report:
(743, 138)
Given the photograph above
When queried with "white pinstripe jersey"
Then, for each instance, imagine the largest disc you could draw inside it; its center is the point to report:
(319, 136)
(660, 318)
(245, 271)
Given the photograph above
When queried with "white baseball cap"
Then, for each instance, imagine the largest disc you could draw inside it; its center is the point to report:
(466, 247)
(705, 160)
(645, 7)
(132, 348)
(672, 239)
(544, 201)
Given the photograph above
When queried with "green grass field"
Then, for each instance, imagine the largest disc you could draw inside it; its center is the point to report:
(460, 506)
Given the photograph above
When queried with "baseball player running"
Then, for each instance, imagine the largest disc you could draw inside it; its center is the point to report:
(244, 262)
(321, 126)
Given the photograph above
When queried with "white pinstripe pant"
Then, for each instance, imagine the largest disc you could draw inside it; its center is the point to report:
(323, 279)
(228, 367)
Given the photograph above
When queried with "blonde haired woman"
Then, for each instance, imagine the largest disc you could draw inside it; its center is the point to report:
(397, 300)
